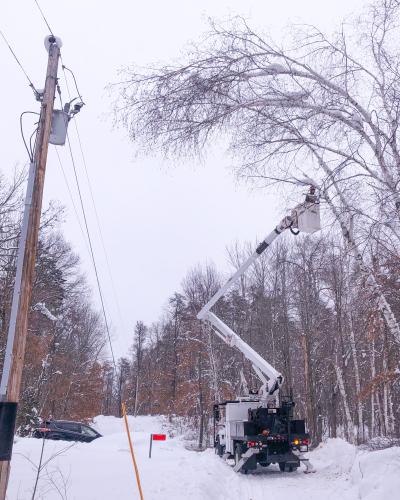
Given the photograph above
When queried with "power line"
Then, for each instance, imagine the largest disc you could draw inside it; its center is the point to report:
(92, 197)
(66, 179)
(99, 227)
(72, 199)
(91, 252)
(73, 76)
(44, 17)
(29, 150)
(90, 249)
(18, 62)
(80, 198)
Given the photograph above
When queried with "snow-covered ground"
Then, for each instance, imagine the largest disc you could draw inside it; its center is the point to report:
(102, 470)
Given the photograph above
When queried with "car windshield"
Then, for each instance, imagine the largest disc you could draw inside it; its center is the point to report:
(69, 426)
(87, 431)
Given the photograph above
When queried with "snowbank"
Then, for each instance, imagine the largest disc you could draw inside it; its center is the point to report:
(334, 454)
(102, 470)
(376, 474)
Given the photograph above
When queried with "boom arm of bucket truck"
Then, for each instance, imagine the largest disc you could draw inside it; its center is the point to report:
(304, 217)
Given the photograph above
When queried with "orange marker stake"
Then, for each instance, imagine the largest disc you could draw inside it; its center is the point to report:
(132, 453)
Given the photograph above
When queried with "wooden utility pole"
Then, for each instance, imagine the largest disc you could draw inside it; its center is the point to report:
(26, 260)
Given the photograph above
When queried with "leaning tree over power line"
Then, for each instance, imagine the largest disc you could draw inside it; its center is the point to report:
(322, 111)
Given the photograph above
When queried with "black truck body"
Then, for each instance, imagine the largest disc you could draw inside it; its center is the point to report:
(271, 433)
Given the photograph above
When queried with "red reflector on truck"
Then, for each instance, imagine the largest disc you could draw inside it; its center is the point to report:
(159, 437)
(251, 444)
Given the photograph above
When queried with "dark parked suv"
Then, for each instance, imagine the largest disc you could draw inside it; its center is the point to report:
(66, 431)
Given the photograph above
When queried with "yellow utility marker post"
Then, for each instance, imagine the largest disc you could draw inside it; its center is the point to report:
(135, 468)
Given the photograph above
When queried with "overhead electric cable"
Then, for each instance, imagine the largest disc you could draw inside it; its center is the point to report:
(67, 183)
(82, 206)
(100, 230)
(18, 62)
(29, 151)
(91, 252)
(115, 295)
(73, 76)
(72, 200)
(43, 16)
(31, 146)
(89, 248)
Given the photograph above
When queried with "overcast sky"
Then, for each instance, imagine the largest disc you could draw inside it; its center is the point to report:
(158, 220)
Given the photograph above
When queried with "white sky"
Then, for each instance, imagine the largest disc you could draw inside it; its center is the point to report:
(157, 220)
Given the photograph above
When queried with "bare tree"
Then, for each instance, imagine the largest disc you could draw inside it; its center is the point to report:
(279, 103)
(137, 350)
(322, 110)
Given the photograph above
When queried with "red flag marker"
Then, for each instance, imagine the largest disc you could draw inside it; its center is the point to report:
(159, 437)
(156, 437)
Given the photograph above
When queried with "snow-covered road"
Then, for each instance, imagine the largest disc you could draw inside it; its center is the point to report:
(102, 470)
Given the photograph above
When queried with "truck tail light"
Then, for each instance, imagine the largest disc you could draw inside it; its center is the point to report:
(305, 441)
(251, 444)
(296, 442)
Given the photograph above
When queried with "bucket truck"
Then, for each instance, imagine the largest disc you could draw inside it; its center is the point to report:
(259, 428)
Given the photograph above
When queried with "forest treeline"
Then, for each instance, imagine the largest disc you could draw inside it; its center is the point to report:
(304, 306)
(306, 309)
(317, 110)
(309, 108)
(63, 373)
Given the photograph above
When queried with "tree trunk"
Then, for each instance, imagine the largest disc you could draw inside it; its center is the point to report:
(136, 395)
(373, 423)
(349, 421)
(201, 404)
(288, 363)
(360, 417)
(380, 300)
(334, 410)
(310, 394)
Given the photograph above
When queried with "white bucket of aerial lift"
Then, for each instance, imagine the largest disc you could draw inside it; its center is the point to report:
(59, 126)
(308, 218)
